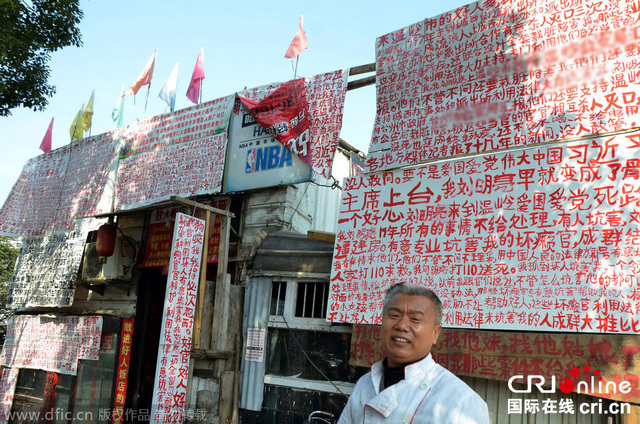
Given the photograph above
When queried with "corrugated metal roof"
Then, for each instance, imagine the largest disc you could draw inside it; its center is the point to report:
(286, 251)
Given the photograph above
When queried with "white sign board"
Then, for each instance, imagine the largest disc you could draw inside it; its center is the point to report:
(543, 239)
(255, 345)
(256, 160)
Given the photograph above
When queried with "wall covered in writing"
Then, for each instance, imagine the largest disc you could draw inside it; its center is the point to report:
(500, 355)
(58, 187)
(498, 74)
(46, 270)
(51, 344)
(542, 239)
(180, 154)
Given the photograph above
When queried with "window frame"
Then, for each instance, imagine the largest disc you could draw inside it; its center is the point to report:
(288, 319)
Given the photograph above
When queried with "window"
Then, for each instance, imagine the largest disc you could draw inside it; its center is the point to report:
(307, 357)
(301, 305)
(312, 300)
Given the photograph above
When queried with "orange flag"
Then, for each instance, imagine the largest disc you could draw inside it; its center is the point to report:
(145, 76)
(298, 44)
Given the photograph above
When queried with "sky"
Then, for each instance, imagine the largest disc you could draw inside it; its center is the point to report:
(244, 44)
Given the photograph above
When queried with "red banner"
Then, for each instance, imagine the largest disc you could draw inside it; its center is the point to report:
(284, 114)
(160, 235)
(123, 370)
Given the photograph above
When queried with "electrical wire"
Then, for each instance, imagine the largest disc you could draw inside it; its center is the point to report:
(296, 210)
(310, 360)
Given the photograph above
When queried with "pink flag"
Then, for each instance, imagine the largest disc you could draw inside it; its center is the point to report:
(45, 146)
(145, 76)
(193, 92)
(298, 44)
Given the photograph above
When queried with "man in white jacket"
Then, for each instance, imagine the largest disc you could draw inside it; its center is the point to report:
(407, 386)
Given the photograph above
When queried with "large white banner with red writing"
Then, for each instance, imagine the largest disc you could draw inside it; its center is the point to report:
(325, 94)
(179, 154)
(543, 239)
(498, 73)
(33, 202)
(60, 186)
(172, 370)
(51, 344)
(8, 379)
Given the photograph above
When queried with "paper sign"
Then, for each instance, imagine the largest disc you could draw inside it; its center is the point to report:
(255, 345)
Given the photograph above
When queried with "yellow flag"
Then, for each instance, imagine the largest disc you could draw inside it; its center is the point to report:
(88, 113)
(77, 128)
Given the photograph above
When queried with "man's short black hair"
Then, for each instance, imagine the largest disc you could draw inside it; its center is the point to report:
(415, 290)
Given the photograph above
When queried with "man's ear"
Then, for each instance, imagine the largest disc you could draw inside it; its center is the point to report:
(436, 333)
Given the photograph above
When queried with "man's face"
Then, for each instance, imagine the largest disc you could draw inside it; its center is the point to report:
(408, 329)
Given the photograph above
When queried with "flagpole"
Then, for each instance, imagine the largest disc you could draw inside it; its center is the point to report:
(75, 128)
(135, 110)
(146, 101)
(295, 71)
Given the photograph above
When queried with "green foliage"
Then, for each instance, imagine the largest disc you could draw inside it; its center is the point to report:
(29, 32)
(8, 256)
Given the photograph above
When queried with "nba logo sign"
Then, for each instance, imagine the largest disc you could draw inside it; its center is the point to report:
(251, 161)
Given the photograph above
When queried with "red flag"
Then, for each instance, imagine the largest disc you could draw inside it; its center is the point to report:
(145, 76)
(284, 114)
(193, 92)
(45, 146)
(298, 44)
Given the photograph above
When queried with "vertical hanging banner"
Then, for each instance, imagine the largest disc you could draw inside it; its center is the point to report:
(8, 378)
(284, 114)
(123, 370)
(170, 387)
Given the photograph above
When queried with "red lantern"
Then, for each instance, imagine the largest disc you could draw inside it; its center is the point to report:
(106, 242)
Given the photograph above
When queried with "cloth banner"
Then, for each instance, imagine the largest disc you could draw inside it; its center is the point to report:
(284, 114)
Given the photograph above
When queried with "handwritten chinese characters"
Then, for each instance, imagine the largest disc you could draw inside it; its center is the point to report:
(499, 355)
(33, 202)
(51, 344)
(58, 187)
(179, 154)
(499, 74)
(47, 269)
(124, 361)
(186, 169)
(8, 378)
(325, 95)
(169, 395)
(542, 239)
